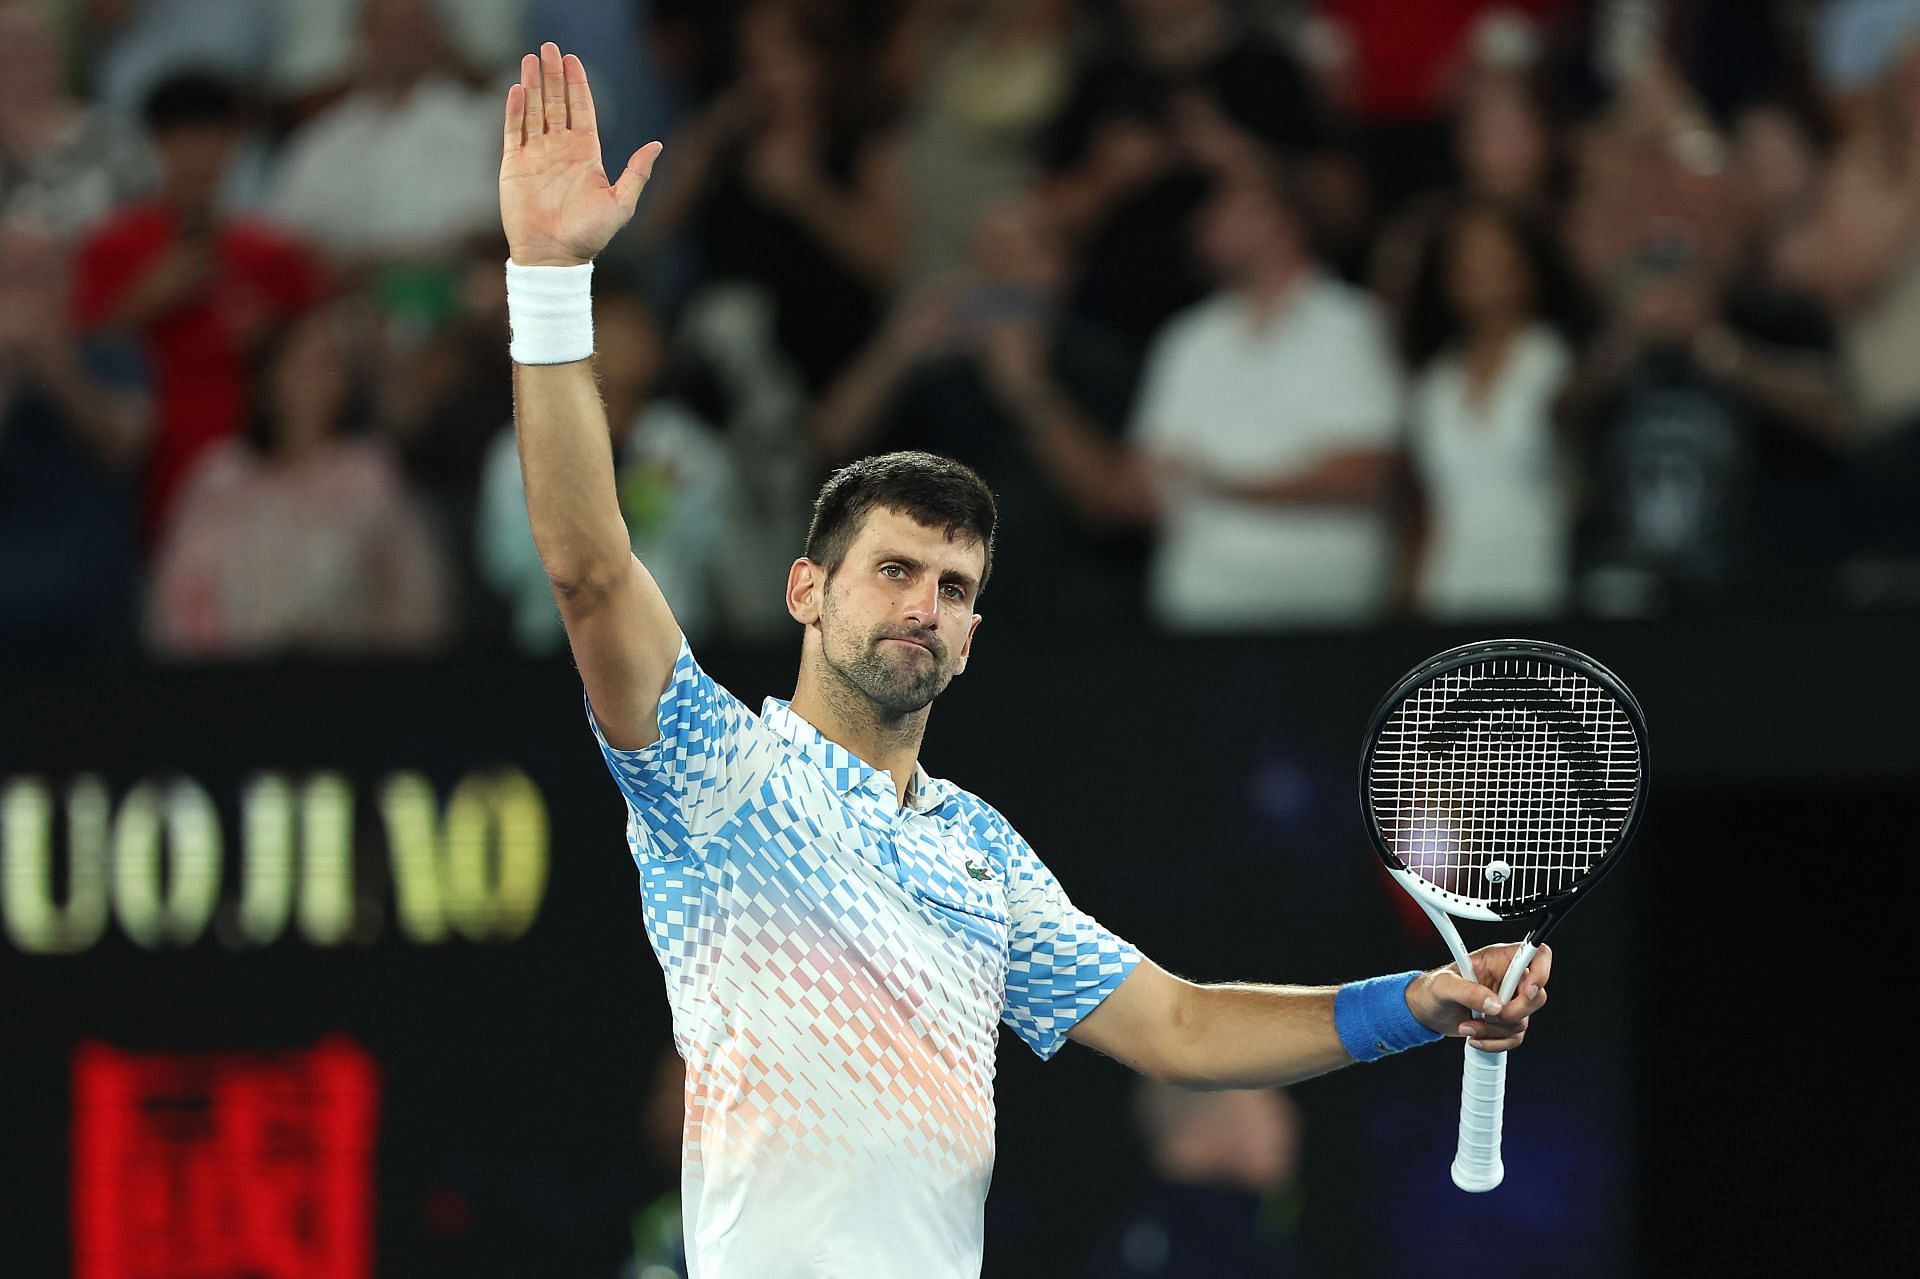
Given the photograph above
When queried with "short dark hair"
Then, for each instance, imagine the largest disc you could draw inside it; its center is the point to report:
(193, 99)
(936, 491)
(1430, 324)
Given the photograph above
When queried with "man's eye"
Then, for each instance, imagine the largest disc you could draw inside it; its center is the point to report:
(893, 570)
(955, 593)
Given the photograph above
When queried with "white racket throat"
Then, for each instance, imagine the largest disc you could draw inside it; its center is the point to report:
(1483, 1087)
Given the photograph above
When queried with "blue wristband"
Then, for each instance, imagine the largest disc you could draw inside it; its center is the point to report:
(1372, 1018)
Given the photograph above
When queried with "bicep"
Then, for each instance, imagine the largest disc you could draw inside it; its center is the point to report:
(1139, 1024)
(625, 642)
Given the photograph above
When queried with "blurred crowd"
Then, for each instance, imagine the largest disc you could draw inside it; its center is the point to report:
(1254, 313)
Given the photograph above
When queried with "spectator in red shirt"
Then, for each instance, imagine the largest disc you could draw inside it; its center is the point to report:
(194, 287)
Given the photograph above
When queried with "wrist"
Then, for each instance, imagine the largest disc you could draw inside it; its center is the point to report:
(550, 312)
(535, 258)
(1032, 402)
(1374, 1018)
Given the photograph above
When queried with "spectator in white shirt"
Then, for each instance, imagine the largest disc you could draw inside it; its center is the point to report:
(1263, 440)
(1492, 528)
(403, 167)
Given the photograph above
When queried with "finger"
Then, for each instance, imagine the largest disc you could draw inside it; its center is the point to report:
(1491, 1028)
(1537, 971)
(579, 97)
(553, 87)
(634, 178)
(1454, 988)
(1490, 964)
(516, 118)
(1523, 1005)
(536, 116)
(1499, 1045)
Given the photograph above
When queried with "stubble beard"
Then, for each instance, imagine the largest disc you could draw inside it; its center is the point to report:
(892, 680)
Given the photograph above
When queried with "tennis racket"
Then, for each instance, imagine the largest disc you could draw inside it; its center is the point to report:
(1500, 781)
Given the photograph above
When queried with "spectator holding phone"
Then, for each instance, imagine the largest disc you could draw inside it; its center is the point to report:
(192, 286)
(952, 372)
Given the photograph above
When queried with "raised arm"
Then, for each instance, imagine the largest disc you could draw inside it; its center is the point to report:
(559, 210)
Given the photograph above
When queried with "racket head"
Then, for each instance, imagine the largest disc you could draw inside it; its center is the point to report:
(1504, 778)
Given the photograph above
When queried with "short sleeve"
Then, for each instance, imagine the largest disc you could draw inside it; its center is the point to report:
(1358, 358)
(712, 754)
(1154, 422)
(1062, 962)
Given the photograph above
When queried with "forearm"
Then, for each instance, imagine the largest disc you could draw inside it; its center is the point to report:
(684, 182)
(1354, 477)
(1105, 482)
(868, 240)
(566, 463)
(1242, 1036)
(113, 425)
(844, 423)
(1804, 390)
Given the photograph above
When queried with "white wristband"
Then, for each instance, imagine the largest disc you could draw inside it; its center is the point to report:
(550, 310)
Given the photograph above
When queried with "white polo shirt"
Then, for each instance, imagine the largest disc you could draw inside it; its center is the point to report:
(838, 968)
(1232, 396)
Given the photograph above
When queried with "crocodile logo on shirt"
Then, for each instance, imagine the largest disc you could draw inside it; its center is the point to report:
(978, 872)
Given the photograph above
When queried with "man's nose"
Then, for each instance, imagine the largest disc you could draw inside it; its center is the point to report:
(923, 606)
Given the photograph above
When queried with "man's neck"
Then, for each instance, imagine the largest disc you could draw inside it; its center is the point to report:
(847, 718)
(1272, 285)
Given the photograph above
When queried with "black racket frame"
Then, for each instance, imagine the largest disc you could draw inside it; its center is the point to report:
(1556, 907)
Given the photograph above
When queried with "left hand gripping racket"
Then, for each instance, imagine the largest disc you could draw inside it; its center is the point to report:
(1501, 780)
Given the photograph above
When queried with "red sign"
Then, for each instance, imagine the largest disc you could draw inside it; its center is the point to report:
(210, 1165)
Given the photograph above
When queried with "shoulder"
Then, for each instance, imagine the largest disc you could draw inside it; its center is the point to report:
(1203, 326)
(337, 127)
(260, 241)
(987, 826)
(1545, 354)
(134, 227)
(1438, 379)
(370, 463)
(449, 107)
(1337, 308)
(226, 467)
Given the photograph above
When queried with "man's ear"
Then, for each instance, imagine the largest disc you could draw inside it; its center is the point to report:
(966, 645)
(805, 581)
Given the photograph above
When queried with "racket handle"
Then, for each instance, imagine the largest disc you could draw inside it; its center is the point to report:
(1483, 1099)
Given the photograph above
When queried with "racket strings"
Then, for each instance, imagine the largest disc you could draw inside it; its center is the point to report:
(1504, 782)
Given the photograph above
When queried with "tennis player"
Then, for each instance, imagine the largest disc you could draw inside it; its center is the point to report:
(842, 934)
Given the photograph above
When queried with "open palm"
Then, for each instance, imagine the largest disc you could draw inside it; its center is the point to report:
(555, 201)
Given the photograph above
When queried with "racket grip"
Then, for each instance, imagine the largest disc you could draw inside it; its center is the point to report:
(1483, 1100)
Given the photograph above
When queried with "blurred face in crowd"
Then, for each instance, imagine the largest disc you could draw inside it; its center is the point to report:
(1671, 297)
(193, 163)
(1015, 242)
(1245, 226)
(1175, 35)
(896, 618)
(34, 58)
(1774, 164)
(403, 42)
(1249, 1140)
(1501, 141)
(33, 294)
(627, 343)
(32, 273)
(307, 384)
(774, 57)
(1488, 275)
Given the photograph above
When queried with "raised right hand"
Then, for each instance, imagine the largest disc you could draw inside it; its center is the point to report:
(555, 201)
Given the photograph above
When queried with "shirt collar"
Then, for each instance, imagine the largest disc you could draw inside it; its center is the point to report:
(848, 771)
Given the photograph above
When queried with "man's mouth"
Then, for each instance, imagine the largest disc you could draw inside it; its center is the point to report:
(916, 643)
